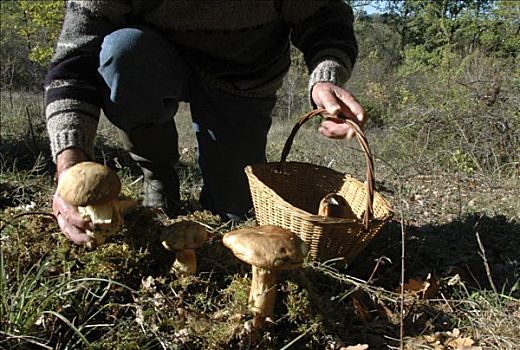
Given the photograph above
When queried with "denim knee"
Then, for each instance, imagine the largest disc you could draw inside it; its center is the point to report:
(128, 56)
(116, 59)
(144, 75)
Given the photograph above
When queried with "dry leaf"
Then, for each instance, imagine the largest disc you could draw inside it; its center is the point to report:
(148, 284)
(431, 338)
(426, 289)
(455, 333)
(462, 343)
(459, 342)
(355, 347)
(384, 311)
(433, 341)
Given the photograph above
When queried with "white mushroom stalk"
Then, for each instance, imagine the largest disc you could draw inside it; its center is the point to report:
(262, 296)
(268, 249)
(185, 263)
(108, 218)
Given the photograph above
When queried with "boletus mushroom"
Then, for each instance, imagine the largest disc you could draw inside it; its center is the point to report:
(268, 249)
(183, 238)
(334, 205)
(93, 188)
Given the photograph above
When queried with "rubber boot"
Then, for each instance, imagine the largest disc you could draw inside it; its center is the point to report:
(154, 149)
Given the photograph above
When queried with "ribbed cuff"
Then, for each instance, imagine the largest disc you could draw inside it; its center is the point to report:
(331, 71)
(68, 139)
(68, 130)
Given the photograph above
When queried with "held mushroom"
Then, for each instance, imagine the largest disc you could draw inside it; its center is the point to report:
(268, 249)
(183, 238)
(93, 188)
(334, 205)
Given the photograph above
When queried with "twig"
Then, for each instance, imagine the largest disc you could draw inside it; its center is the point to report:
(465, 138)
(29, 339)
(364, 283)
(401, 289)
(473, 277)
(401, 311)
(292, 342)
(447, 303)
(426, 143)
(482, 253)
(379, 260)
(31, 128)
(459, 198)
(357, 282)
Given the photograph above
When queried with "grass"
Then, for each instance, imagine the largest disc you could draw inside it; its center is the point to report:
(461, 227)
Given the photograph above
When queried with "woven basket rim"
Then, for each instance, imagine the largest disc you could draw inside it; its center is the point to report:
(314, 218)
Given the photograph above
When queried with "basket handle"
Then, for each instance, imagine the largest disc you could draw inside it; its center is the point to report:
(360, 136)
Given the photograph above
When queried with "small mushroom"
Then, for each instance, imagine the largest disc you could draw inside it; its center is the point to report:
(183, 238)
(94, 188)
(334, 205)
(268, 249)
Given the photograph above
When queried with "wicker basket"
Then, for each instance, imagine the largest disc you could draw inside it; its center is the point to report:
(288, 194)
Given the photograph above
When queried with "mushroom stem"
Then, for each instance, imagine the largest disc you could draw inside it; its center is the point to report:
(108, 219)
(262, 295)
(185, 262)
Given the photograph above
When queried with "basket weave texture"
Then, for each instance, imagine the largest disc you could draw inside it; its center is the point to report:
(287, 194)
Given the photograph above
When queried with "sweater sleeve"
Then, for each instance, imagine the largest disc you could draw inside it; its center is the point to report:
(72, 95)
(324, 32)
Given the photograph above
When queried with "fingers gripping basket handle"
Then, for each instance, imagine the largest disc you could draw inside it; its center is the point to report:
(360, 136)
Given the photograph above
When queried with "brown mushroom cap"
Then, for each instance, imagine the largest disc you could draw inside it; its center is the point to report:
(267, 247)
(334, 205)
(89, 183)
(185, 234)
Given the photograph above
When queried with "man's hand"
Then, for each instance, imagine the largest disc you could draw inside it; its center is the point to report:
(339, 103)
(69, 219)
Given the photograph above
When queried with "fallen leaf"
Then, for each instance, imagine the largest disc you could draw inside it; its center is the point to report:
(355, 347)
(425, 289)
(454, 333)
(454, 280)
(148, 284)
(433, 341)
(459, 342)
(431, 338)
(386, 312)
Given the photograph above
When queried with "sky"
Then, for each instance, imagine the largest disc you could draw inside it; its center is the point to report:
(370, 6)
(370, 9)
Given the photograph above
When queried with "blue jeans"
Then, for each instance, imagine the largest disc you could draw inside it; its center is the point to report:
(144, 79)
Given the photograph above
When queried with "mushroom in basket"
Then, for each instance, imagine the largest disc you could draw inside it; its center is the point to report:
(334, 205)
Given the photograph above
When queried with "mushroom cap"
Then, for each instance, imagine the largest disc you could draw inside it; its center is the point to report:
(267, 246)
(334, 205)
(184, 234)
(89, 183)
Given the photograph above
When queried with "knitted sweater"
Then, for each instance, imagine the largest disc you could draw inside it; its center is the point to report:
(242, 47)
